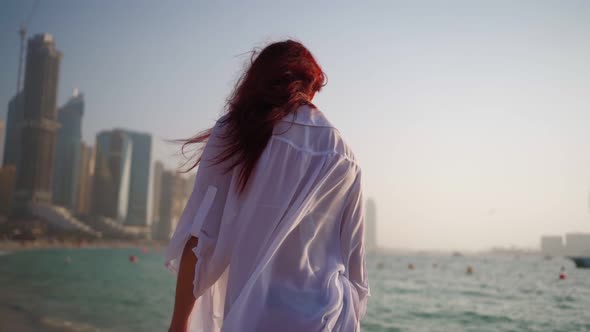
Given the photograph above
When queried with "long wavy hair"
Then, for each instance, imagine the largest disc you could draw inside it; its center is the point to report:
(281, 77)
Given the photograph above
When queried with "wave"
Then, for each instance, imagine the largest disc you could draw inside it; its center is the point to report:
(62, 325)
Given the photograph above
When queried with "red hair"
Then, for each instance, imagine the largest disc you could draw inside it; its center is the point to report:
(281, 77)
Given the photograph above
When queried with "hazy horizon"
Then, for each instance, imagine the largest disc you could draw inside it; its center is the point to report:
(470, 119)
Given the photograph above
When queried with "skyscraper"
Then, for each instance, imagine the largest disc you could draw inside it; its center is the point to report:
(12, 141)
(1, 139)
(371, 224)
(66, 174)
(138, 209)
(171, 205)
(112, 171)
(157, 191)
(189, 184)
(83, 202)
(39, 127)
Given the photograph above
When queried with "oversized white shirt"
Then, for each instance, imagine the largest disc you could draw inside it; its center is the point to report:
(286, 254)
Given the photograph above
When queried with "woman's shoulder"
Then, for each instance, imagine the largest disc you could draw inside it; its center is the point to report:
(308, 115)
(309, 130)
(336, 141)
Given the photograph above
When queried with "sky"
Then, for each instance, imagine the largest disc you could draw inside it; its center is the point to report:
(470, 119)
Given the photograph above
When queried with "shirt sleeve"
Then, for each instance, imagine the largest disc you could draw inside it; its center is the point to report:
(353, 244)
(202, 214)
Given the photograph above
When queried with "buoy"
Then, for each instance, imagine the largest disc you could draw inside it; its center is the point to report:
(469, 270)
(133, 258)
(410, 266)
(562, 276)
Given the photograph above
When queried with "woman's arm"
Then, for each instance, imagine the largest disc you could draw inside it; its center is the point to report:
(184, 300)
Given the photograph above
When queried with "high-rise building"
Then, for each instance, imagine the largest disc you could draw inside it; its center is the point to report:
(66, 173)
(157, 192)
(138, 210)
(171, 204)
(1, 140)
(7, 180)
(552, 245)
(371, 225)
(189, 184)
(39, 127)
(112, 171)
(83, 202)
(12, 139)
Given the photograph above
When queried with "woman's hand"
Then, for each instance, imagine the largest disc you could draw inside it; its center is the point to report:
(176, 328)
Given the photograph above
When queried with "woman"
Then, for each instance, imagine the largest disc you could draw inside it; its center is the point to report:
(271, 238)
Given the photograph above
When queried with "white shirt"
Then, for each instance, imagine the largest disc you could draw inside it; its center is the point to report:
(287, 254)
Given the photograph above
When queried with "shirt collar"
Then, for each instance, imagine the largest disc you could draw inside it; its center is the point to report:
(309, 116)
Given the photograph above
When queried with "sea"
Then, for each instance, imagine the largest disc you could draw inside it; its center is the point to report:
(101, 290)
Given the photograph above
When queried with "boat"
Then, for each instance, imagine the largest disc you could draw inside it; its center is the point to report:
(581, 262)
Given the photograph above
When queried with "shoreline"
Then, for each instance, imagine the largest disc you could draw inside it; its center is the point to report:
(8, 246)
(11, 245)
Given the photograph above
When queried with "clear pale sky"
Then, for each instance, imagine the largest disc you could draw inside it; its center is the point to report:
(471, 119)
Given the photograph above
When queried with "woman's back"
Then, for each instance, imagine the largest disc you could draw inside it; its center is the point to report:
(288, 248)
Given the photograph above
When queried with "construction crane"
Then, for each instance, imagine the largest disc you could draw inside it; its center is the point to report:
(22, 32)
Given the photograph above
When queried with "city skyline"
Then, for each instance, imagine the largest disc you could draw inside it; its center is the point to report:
(484, 124)
(49, 171)
(51, 174)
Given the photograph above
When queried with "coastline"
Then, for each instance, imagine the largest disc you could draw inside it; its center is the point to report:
(8, 246)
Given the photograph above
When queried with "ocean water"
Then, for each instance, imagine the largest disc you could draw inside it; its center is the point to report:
(100, 290)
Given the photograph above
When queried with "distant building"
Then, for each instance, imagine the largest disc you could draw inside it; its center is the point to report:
(7, 182)
(371, 225)
(1, 140)
(138, 210)
(112, 171)
(172, 204)
(552, 245)
(84, 200)
(577, 244)
(189, 184)
(39, 127)
(66, 174)
(157, 192)
(12, 138)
